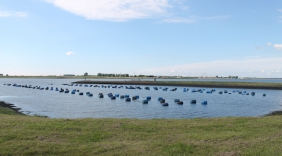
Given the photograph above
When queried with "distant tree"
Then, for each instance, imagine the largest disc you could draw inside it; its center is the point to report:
(85, 75)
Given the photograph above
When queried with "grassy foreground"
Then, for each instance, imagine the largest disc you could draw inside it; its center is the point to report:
(26, 135)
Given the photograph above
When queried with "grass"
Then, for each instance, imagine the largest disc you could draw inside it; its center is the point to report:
(7, 111)
(26, 135)
(251, 85)
(231, 84)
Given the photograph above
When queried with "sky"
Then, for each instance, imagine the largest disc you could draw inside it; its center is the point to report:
(149, 37)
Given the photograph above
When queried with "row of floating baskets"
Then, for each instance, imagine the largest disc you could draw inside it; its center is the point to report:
(220, 92)
(128, 99)
(173, 89)
(162, 101)
(148, 98)
(113, 97)
(131, 87)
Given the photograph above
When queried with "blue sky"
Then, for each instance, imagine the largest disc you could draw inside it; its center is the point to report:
(159, 37)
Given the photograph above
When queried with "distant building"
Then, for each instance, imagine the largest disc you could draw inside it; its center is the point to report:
(1, 74)
(69, 75)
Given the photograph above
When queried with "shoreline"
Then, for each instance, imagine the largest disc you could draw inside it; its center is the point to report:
(239, 85)
(4, 104)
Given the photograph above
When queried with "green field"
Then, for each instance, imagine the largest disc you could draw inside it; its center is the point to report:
(26, 135)
(245, 85)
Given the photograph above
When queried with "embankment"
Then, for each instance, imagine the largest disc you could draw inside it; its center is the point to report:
(238, 85)
(10, 106)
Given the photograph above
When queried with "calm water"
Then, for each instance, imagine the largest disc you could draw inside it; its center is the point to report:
(62, 105)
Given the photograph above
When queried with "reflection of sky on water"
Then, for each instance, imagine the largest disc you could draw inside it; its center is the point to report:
(61, 105)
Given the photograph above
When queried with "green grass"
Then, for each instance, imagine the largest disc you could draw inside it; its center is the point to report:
(230, 84)
(250, 85)
(8, 111)
(225, 83)
(26, 135)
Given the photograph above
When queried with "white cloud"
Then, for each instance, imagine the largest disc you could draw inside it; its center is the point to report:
(115, 10)
(278, 46)
(259, 67)
(280, 10)
(70, 53)
(123, 10)
(12, 14)
(21, 14)
(5, 14)
(193, 19)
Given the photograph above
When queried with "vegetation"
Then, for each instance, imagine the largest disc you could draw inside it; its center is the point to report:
(26, 135)
(226, 84)
(8, 111)
(251, 85)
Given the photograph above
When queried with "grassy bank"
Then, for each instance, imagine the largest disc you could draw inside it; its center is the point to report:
(25, 135)
(250, 85)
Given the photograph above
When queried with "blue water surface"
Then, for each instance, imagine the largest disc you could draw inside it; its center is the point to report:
(66, 105)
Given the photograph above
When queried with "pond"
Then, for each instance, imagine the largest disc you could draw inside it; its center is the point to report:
(54, 104)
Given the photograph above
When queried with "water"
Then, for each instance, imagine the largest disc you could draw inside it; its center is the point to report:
(61, 105)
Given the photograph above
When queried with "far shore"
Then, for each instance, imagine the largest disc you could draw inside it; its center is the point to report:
(238, 85)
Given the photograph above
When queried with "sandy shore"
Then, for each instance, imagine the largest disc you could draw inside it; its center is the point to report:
(241, 85)
(10, 106)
